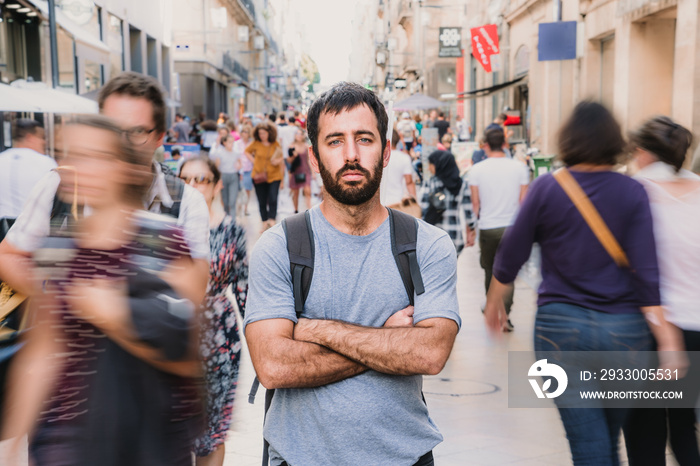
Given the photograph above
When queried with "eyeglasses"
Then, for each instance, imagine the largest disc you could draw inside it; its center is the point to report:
(138, 135)
(198, 179)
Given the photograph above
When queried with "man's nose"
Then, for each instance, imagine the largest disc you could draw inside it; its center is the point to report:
(352, 152)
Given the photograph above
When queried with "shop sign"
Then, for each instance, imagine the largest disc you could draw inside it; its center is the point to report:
(485, 46)
(450, 43)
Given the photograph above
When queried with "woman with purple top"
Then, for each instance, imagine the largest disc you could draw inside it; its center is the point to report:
(586, 302)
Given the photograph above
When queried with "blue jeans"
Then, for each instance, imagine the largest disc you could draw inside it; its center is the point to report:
(593, 433)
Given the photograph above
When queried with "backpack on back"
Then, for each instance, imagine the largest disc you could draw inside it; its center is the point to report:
(300, 246)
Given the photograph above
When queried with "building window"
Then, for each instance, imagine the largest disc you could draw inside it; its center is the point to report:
(115, 41)
(136, 50)
(95, 23)
(66, 59)
(607, 71)
(93, 76)
(20, 45)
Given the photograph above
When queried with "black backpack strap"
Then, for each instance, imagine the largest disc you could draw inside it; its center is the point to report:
(300, 246)
(176, 189)
(404, 236)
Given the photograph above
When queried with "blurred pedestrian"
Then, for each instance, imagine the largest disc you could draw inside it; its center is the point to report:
(442, 125)
(268, 169)
(398, 190)
(246, 170)
(135, 102)
(498, 186)
(228, 162)
(446, 200)
(419, 124)
(180, 130)
(407, 130)
(464, 130)
(220, 341)
(299, 169)
(208, 131)
(660, 147)
(587, 302)
(21, 168)
(107, 375)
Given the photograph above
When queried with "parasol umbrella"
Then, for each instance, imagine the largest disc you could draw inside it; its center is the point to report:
(419, 101)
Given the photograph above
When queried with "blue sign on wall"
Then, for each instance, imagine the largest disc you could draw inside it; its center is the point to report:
(557, 41)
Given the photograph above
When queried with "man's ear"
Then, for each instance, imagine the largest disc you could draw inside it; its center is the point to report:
(387, 153)
(313, 160)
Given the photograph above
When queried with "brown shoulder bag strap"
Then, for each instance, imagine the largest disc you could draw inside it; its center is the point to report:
(591, 216)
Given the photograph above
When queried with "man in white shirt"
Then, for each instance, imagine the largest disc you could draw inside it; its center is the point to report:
(498, 186)
(285, 133)
(135, 102)
(407, 130)
(397, 180)
(22, 166)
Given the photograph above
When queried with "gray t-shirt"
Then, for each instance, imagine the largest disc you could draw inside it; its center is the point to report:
(372, 418)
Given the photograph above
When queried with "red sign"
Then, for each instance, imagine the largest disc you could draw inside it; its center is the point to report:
(485, 44)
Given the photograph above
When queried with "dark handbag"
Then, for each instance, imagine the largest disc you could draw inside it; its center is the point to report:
(260, 178)
(300, 178)
(437, 205)
(296, 163)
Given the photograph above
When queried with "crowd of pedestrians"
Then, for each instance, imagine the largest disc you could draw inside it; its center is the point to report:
(135, 274)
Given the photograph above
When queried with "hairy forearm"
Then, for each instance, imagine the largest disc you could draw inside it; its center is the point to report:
(280, 361)
(422, 349)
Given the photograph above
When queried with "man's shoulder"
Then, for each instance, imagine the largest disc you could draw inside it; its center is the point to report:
(430, 236)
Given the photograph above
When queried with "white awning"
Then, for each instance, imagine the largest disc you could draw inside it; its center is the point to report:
(24, 96)
(87, 45)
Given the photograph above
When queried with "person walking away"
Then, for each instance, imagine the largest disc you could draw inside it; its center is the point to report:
(268, 170)
(586, 301)
(445, 200)
(180, 130)
(229, 164)
(398, 190)
(351, 354)
(419, 124)
(407, 129)
(660, 149)
(464, 130)
(498, 186)
(442, 125)
(21, 168)
(220, 340)
(246, 170)
(299, 169)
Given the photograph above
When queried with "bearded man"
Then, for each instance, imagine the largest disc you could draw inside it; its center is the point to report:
(348, 372)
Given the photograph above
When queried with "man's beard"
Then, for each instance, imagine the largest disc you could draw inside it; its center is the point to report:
(352, 192)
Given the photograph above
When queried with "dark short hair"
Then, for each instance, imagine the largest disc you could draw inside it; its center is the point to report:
(441, 114)
(271, 131)
(273, 117)
(502, 117)
(664, 138)
(281, 117)
(206, 160)
(345, 96)
(24, 127)
(224, 139)
(590, 135)
(178, 115)
(395, 138)
(495, 138)
(134, 84)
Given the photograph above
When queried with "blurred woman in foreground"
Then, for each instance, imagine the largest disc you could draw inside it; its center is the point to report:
(108, 373)
(586, 301)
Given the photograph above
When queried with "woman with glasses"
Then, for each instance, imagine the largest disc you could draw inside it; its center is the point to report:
(268, 170)
(220, 341)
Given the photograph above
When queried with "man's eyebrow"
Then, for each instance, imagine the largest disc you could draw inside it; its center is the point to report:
(358, 132)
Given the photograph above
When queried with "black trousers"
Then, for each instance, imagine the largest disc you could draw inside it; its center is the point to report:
(647, 430)
(267, 199)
